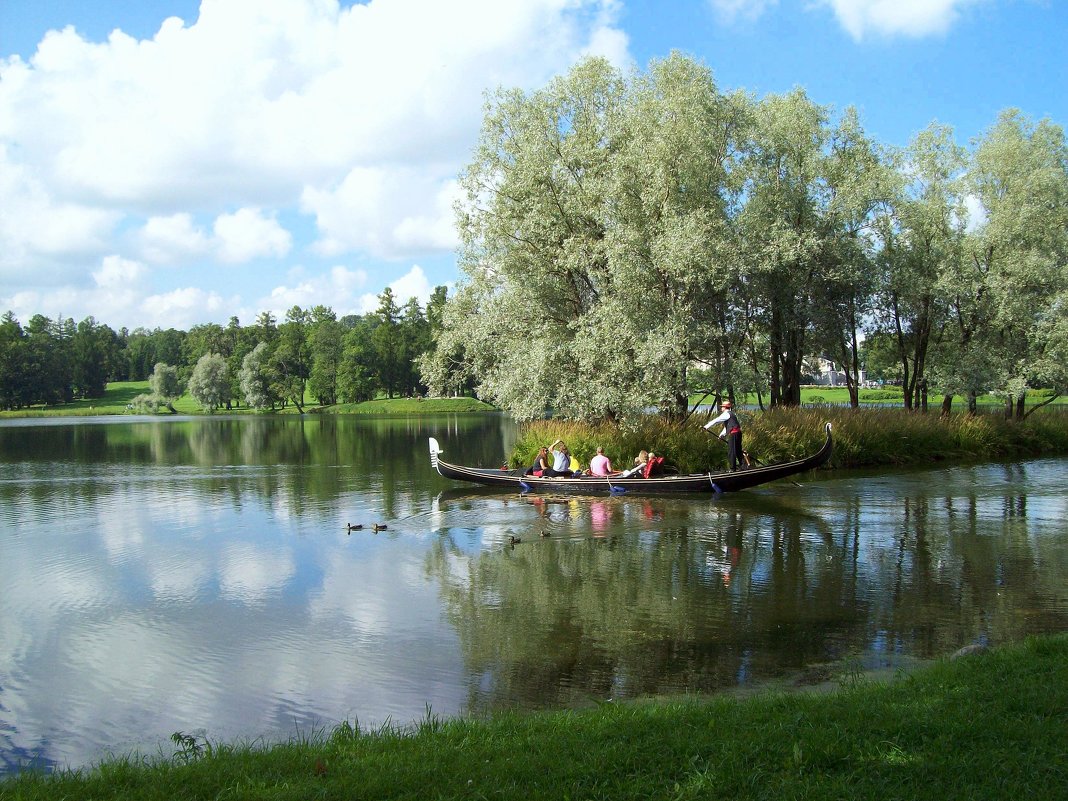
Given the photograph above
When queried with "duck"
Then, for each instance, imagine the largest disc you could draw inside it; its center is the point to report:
(546, 533)
(513, 540)
(355, 526)
(376, 527)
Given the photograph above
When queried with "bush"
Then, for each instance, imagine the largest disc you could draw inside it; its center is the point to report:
(862, 437)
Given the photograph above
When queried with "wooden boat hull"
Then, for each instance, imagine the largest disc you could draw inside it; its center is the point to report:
(591, 485)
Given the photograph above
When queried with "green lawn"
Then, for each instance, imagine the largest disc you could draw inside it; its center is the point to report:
(990, 725)
(889, 396)
(120, 394)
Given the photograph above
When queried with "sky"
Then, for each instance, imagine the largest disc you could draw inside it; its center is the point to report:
(169, 163)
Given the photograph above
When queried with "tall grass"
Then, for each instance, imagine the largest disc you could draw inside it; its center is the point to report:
(862, 437)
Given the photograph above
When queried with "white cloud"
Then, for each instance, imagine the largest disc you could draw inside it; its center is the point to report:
(413, 284)
(248, 234)
(338, 288)
(388, 213)
(896, 17)
(177, 307)
(361, 117)
(731, 10)
(117, 272)
(172, 238)
(36, 228)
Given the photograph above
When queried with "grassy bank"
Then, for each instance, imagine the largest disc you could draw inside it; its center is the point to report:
(119, 395)
(894, 396)
(862, 437)
(991, 725)
(411, 406)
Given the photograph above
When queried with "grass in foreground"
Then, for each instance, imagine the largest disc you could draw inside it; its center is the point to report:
(991, 726)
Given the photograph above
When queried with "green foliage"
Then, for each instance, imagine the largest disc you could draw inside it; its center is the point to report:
(870, 395)
(257, 385)
(55, 362)
(210, 383)
(862, 437)
(619, 231)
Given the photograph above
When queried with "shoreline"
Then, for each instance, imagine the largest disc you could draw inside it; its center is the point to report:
(946, 729)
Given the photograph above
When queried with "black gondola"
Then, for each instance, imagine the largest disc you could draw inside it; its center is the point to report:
(518, 479)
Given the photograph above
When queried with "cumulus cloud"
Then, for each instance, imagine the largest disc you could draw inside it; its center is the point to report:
(172, 238)
(273, 108)
(346, 290)
(388, 213)
(247, 234)
(896, 17)
(177, 307)
(116, 272)
(338, 288)
(413, 284)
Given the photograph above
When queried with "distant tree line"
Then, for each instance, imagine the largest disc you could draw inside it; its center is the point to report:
(620, 232)
(266, 365)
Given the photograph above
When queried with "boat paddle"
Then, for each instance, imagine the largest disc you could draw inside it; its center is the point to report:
(749, 460)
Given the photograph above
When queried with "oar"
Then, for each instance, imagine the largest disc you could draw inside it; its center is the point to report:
(749, 460)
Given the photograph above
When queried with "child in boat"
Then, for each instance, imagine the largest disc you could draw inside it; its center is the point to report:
(639, 466)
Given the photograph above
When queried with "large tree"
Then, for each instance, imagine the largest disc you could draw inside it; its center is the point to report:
(1012, 276)
(594, 224)
(920, 244)
(209, 385)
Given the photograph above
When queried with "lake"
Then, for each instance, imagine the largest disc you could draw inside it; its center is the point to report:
(198, 575)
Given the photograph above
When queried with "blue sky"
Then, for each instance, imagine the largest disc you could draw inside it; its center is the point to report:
(251, 155)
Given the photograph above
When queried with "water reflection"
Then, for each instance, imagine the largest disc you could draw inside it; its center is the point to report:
(199, 574)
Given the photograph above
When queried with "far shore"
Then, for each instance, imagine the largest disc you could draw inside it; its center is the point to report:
(879, 434)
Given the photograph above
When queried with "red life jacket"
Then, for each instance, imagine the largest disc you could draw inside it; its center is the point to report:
(654, 465)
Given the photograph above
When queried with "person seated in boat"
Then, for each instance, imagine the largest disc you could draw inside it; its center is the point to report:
(561, 460)
(638, 471)
(601, 465)
(654, 466)
(541, 463)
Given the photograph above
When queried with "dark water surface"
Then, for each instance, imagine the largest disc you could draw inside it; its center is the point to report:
(197, 575)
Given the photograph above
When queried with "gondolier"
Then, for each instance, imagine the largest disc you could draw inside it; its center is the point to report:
(732, 432)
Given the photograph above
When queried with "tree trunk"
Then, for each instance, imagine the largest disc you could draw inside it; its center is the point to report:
(947, 405)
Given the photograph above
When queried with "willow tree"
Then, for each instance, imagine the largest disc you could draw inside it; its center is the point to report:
(1008, 290)
(859, 183)
(921, 239)
(676, 189)
(784, 230)
(594, 209)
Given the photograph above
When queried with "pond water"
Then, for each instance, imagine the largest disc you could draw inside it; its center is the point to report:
(198, 575)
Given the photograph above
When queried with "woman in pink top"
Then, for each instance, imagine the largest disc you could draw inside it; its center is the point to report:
(599, 464)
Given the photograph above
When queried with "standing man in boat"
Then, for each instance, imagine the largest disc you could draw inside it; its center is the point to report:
(732, 432)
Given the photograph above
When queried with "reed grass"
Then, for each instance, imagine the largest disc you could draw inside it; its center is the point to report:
(990, 725)
(862, 437)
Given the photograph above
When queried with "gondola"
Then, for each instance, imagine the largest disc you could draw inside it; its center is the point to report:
(518, 480)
